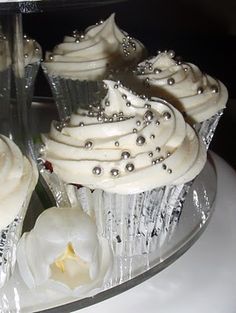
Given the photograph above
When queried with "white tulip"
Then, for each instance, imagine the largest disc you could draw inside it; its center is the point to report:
(63, 252)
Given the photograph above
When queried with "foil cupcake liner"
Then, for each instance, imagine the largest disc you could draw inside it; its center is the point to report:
(71, 95)
(206, 129)
(135, 224)
(9, 238)
(31, 71)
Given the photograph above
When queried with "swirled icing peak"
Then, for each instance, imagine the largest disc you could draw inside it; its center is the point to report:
(127, 144)
(18, 177)
(196, 94)
(102, 47)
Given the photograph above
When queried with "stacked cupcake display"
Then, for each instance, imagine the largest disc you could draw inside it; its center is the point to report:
(132, 137)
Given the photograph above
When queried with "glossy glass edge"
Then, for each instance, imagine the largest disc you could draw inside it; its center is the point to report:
(39, 6)
(171, 257)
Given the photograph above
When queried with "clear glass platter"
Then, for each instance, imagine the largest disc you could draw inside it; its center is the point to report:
(197, 211)
(37, 6)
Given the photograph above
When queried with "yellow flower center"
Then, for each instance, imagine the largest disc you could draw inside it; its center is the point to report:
(69, 254)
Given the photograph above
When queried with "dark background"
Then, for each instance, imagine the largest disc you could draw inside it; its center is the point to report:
(202, 32)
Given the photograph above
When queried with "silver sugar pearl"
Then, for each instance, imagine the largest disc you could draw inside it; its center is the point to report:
(158, 149)
(135, 130)
(97, 170)
(115, 172)
(115, 115)
(124, 97)
(157, 70)
(117, 143)
(99, 118)
(81, 124)
(157, 122)
(164, 166)
(171, 53)
(148, 116)
(169, 171)
(152, 136)
(110, 119)
(214, 89)
(170, 81)
(150, 154)
(166, 115)
(147, 106)
(138, 123)
(125, 155)
(88, 144)
(130, 167)
(107, 103)
(200, 90)
(128, 104)
(116, 86)
(26, 55)
(154, 162)
(140, 141)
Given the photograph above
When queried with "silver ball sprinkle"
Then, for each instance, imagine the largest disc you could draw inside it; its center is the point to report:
(26, 55)
(77, 40)
(124, 97)
(130, 167)
(148, 116)
(107, 103)
(157, 122)
(168, 154)
(116, 86)
(200, 90)
(81, 124)
(51, 57)
(171, 53)
(214, 89)
(128, 104)
(117, 143)
(115, 115)
(185, 69)
(147, 106)
(140, 141)
(88, 144)
(97, 170)
(164, 166)
(135, 130)
(110, 119)
(138, 123)
(158, 149)
(152, 136)
(157, 70)
(99, 118)
(166, 115)
(169, 171)
(150, 154)
(115, 172)
(154, 162)
(170, 81)
(125, 155)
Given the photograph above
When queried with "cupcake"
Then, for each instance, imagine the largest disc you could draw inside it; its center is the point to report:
(76, 67)
(198, 96)
(18, 179)
(128, 161)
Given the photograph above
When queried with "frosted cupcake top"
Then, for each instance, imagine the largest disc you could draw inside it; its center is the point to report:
(18, 177)
(93, 54)
(32, 51)
(126, 145)
(196, 94)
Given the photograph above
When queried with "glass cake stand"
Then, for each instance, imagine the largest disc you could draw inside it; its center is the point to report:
(197, 210)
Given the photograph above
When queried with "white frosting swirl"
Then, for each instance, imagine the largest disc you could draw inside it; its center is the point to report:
(126, 145)
(196, 94)
(18, 179)
(92, 55)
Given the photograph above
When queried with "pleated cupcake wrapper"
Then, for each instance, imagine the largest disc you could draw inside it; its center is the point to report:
(31, 71)
(70, 95)
(5, 78)
(206, 129)
(9, 238)
(134, 224)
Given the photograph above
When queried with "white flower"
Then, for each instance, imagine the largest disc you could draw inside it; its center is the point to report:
(63, 252)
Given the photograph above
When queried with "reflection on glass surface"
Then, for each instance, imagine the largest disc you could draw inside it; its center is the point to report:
(197, 209)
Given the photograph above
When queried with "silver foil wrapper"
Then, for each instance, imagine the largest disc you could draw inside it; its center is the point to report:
(206, 129)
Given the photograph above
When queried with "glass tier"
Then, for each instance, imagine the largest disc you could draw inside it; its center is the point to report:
(197, 210)
(7, 7)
